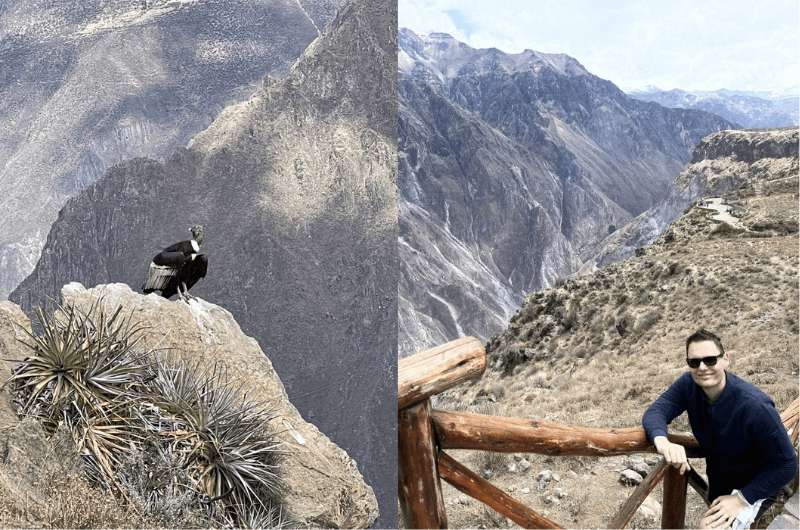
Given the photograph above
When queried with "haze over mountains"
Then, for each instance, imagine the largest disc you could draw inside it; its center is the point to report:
(512, 168)
(750, 110)
(89, 83)
(296, 189)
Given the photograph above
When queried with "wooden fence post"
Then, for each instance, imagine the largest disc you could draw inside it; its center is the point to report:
(673, 510)
(419, 486)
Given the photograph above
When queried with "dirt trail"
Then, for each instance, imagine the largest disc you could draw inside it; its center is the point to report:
(723, 211)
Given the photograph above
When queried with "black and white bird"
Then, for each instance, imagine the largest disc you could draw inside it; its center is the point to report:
(178, 267)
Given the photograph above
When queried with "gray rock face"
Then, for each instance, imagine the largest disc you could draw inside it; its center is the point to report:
(747, 146)
(85, 84)
(512, 167)
(296, 189)
(720, 162)
(746, 109)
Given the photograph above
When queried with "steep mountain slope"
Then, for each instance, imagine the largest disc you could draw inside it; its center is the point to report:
(512, 167)
(747, 110)
(597, 349)
(720, 162)
(296, 189)
(86, 84)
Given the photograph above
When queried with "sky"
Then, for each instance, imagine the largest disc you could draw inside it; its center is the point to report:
(687, 44)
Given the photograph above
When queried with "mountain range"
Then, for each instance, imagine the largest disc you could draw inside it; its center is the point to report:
(512, 168)
(751, 110)
(296, 189)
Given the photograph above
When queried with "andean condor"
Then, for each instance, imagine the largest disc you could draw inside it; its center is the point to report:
(177, 266)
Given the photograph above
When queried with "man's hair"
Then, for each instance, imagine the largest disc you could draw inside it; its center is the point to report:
(702, 335)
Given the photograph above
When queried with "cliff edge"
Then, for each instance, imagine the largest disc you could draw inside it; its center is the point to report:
(322, 486)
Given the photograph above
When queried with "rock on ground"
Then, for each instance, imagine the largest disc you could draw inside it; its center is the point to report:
(630, 477)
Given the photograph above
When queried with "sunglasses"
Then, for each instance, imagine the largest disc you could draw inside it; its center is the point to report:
(708, 361)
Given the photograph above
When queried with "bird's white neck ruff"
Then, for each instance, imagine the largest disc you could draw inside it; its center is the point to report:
(195, 246)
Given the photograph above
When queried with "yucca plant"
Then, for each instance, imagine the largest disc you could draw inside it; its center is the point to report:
(257, 517)
(222, 435)
(84, 369)
(105, 436)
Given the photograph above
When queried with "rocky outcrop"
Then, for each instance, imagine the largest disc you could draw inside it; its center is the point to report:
(296, 190)
(512, 167)
(721, 162)
(89, 83)
(748, 146)
(323, 487)
(748, 110)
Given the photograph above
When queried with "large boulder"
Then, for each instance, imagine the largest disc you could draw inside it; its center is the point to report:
(322, 484)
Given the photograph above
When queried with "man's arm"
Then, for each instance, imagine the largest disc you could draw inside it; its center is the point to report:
(774, 444)
(666, 408)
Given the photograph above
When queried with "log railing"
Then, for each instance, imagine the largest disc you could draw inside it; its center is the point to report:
(424, 434)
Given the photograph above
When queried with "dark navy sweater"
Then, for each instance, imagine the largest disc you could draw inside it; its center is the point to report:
(741, 435)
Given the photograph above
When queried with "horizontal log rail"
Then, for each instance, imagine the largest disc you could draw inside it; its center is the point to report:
(434, 371)
(465, 430)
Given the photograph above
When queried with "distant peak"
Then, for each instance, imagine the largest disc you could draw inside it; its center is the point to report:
(444, 55)
(440, 35)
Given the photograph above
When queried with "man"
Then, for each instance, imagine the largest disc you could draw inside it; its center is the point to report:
(748, 453)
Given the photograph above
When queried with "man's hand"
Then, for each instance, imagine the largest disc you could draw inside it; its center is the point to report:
(674, 454)
(722, 512)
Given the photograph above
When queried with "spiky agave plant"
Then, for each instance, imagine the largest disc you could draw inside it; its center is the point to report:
(223, 436)
(257, 517)
(83, 369)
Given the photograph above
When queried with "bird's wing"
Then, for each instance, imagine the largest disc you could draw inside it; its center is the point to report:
(158, 276)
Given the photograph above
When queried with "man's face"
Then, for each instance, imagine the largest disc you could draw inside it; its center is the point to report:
(707, 376)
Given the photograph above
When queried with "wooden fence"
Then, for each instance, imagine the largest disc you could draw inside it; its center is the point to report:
(424, 434)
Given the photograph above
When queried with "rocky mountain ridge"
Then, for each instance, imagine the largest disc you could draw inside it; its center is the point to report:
(720, 162)
(87, 84)
(748, 110)
(296, 190)
(512, 168)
